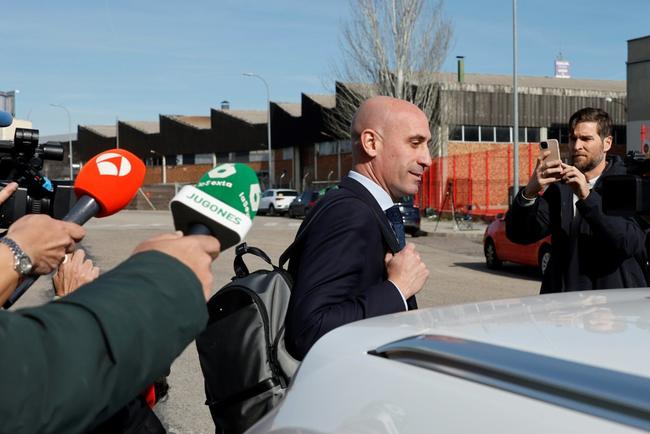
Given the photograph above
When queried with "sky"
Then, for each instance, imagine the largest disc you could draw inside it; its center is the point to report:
(132, 60)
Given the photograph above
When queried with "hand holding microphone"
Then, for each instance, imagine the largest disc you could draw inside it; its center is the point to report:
(196, 251)
(222, 204)
(45, 247)
(105, 185)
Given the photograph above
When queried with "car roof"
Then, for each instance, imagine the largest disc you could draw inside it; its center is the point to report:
(349, 381)
(575, 326)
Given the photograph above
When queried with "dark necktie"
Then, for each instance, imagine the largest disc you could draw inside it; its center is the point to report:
(395, 218)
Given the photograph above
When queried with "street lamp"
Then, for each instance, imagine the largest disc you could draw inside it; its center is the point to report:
(515, 103)
(268, 123)
(164, 165)
(69, 135)
(610, 99)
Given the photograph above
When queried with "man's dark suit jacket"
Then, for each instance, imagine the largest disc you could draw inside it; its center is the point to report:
(338, 267)
(68, 365)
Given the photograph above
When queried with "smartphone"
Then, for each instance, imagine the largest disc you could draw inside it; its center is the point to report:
(553, 146)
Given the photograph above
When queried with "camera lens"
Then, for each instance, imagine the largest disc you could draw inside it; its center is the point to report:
(543, 145)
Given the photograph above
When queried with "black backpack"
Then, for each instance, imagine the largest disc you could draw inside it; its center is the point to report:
(245, 364)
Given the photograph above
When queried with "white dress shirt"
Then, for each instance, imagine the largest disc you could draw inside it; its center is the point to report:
(383, 199)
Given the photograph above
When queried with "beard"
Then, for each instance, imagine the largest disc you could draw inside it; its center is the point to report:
(587, 163)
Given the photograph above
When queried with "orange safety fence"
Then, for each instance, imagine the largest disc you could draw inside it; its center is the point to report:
(479, 181)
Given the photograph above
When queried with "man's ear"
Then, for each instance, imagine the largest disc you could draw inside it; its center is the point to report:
(368, 140)
(607, 143)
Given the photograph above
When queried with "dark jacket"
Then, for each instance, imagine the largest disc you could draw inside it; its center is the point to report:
(338, 268)
(68, 365)
(592, 251)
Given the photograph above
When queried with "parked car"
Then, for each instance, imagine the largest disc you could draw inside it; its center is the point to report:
(410, 216)
(301, 204)
(568, 362)
(276, 201)
(498, 248)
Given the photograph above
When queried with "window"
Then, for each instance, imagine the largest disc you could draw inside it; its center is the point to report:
(258, 156)
(533, 134)
(619, 135)
(456, 133)
(327, 148)
(564, 135)
(487, 134)
(503, 134)
(522, 134)
(203, 158)
(471, 133)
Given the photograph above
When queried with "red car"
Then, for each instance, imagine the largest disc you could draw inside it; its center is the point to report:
(498, 248)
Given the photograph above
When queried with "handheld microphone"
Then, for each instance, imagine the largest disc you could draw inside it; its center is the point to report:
(222, 204)
(5, 119)
(105, 185)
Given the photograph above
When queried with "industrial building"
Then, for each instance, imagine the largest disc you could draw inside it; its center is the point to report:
(308, 153)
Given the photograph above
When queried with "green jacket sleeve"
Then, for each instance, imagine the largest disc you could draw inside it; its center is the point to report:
(70, 364)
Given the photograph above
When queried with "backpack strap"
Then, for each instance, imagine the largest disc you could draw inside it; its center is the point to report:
(387, 233)
(284, 257)
(241, 269)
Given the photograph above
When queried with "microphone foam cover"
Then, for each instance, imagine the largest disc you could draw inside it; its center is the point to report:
(225, 200)
(5, 119)
(112, 178)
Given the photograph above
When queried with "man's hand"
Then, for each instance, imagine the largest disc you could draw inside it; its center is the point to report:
(546, 172)
(576, 180)
(7, 191)
(45, 240)
(406, 270)
(195, 251)
(75, 271)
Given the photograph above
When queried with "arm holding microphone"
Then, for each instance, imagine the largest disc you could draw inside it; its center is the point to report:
(103, 344)
(105, 185)
(44, 247)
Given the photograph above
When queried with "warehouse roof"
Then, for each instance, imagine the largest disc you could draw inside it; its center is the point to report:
(147, 127)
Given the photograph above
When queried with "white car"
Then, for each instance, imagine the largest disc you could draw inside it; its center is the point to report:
(574, 362)
(276, 201)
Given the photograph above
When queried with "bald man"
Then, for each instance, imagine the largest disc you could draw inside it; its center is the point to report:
(351, 262)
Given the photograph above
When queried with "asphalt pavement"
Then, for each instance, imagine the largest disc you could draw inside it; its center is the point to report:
(473, 229)
(453, 255)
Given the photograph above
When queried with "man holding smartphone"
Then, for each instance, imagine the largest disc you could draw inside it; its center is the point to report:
(590, 250)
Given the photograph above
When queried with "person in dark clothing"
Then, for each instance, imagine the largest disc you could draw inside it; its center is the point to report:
(67, 366)
(590, 250)
(353, 262)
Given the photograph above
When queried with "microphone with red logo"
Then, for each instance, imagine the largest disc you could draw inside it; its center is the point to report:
(222, 204)
(105, 185)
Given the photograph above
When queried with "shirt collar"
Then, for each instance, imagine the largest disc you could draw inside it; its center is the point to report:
(383, 199)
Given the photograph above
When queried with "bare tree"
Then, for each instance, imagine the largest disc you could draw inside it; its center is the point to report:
(393, 48)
